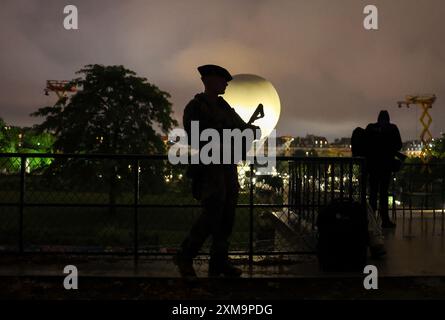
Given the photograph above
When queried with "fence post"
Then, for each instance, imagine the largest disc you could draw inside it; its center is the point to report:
(342, 186)
(351, 174)
(364, 185)
(251, 217)
(290, 191)
(443, 197)
(393, 191)
(135, 207)
(22, 200)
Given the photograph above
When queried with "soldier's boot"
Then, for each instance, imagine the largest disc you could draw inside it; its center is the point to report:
(185, 266)
(225, 269)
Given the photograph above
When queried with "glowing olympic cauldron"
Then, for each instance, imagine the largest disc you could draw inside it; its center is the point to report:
(246, 91)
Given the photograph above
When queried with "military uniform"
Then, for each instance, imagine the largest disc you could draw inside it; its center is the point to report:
(215, 185)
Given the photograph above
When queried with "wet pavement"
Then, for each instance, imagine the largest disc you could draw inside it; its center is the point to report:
(415, 248)
(414, 268)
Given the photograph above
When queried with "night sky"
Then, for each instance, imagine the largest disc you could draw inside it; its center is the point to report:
(331, 74)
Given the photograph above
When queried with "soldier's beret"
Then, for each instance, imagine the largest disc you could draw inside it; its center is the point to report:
(211, 69)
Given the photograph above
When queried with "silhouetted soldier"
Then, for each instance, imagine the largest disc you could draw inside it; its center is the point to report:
(215, 185)
(384, 142)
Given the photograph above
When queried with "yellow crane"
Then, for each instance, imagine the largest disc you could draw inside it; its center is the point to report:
(425, 102)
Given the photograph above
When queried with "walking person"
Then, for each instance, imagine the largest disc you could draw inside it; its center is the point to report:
(215, 185)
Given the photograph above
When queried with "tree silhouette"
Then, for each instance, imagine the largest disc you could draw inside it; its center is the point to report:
(114, 111)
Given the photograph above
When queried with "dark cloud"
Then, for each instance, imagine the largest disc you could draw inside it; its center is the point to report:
(330, 73)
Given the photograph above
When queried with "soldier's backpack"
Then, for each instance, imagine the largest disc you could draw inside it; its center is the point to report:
(359, 142)
(342, 236)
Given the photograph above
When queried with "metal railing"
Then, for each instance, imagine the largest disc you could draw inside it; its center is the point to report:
(418, 189)
(142, 205)
(318, 181)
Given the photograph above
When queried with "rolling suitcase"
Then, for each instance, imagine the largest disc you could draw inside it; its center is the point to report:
(342, 236)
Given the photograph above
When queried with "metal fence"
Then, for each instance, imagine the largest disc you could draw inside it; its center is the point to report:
(418, 189)
(142, 205)
(318, 181)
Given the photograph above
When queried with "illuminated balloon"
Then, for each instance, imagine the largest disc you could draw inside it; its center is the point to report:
(246, 91)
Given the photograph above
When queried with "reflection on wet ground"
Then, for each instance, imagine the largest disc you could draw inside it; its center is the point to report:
(415, 248)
